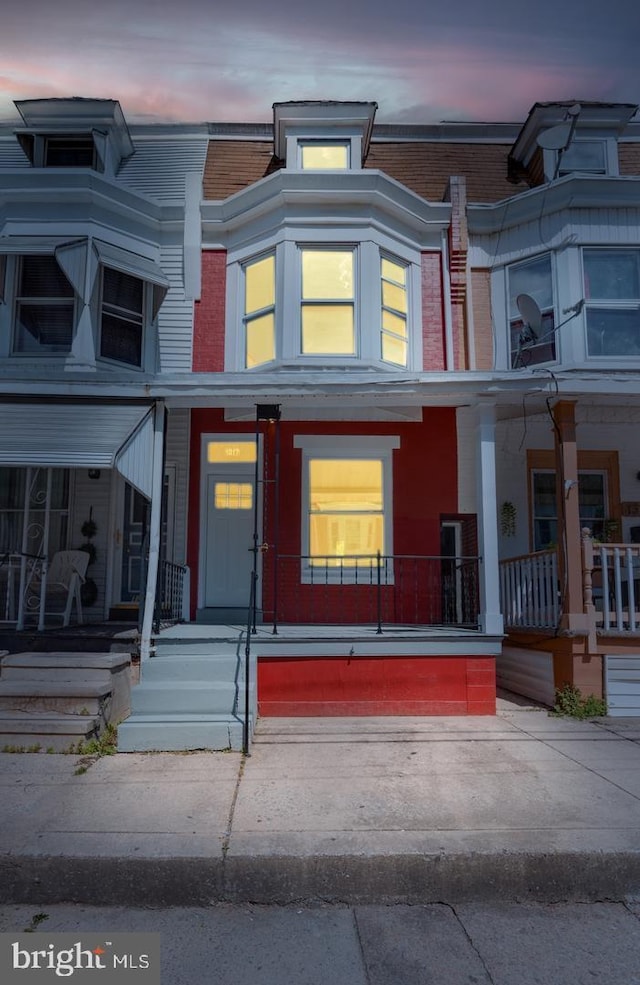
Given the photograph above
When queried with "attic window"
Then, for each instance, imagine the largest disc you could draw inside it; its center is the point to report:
(69, 152)
(584, 155)
(317, 155)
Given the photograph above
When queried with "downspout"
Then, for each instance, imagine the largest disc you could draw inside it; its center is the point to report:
(446, 297)
(154, 531)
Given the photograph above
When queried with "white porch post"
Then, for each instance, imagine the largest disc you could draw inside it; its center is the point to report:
(490, 615)
(154, 531)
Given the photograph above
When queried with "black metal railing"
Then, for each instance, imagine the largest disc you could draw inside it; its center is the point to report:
(169, 593)
(413, 589)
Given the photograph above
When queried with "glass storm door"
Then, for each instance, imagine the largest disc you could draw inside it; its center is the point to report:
(134, 529)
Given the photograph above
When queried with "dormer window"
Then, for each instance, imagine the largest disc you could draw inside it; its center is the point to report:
(584, 155)
(324, 155)
(69, 152)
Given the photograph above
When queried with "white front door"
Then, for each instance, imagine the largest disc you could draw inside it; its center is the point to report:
(229, 539)
(228, 516)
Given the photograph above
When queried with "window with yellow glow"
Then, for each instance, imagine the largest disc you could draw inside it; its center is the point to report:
(259, 311)
(225, 452)
(233, 496)
(393, 280)
(346, 511)
(316, 156)
(327, 312)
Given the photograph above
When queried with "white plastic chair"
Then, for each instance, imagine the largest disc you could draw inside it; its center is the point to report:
(65, 576)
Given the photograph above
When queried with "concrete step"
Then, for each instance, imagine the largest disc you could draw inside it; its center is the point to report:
(65, 697)
(188, 667)
(58, 666)
(185, 697)
(179, 733)
(51, 732)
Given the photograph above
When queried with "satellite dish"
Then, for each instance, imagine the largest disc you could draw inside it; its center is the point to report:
(530, 313)
(555, 138)
(574, 110)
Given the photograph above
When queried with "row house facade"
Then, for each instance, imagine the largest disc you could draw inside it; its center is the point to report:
(361, 388)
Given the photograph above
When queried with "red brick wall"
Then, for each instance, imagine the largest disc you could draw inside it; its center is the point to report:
(432, 312)
(209, 316)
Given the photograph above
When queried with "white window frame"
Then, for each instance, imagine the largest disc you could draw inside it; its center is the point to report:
(248, 317)
(368, 251)
(549, 334)
(126, 315)
(297, 137)
(14, 264)
(323, 142)
(346, 447)
(610, 153)
(608, 304)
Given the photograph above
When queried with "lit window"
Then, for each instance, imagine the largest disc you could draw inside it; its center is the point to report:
(259, 311)
(323, 156)
(234, 452)
(612, 293)
(327, 312)
(393, 278)
(233, 496)
(45, 307)
(346, 511)
(531, 345)
(122, 317)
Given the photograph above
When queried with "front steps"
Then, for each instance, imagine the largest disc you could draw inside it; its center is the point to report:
(191, 696)
(54, 701)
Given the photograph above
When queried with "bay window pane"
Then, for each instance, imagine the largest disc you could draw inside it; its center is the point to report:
(612, 274)
(394, 350)
(260, 285)
(328, 329)
(533, 278)
(327, 274)
(613, 331)
(261, 345)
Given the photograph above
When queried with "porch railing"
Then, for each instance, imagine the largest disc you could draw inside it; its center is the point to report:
(529, 590)
(429, 590)
(170, 593)
(615, 585)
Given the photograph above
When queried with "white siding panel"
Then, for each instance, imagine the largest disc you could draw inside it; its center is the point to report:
(175, 321)
(11, 155)
(158, 166)
(526, 672)
(622, 685)
(178, 433)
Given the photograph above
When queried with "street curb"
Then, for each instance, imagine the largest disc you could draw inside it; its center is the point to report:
(359, 879)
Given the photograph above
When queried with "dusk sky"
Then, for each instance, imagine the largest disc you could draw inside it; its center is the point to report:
(420, 61)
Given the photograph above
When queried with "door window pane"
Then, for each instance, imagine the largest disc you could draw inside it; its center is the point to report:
(233, 496)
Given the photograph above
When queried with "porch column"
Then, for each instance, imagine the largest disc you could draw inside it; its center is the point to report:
(569, 538)
(154, 531)
(490, 615)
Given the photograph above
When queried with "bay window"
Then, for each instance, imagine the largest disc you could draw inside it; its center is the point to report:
(121, 317)
(326, 303)
(612, 301)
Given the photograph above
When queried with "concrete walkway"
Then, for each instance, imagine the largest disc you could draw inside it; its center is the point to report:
(520, 806)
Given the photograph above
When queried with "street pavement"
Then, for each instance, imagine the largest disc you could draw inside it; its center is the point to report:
(521, 806)
(433, 944)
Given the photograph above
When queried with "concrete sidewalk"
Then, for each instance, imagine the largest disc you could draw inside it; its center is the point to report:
(520, 806)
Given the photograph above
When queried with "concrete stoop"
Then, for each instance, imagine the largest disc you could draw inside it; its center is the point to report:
(55, 701)
(190, 696)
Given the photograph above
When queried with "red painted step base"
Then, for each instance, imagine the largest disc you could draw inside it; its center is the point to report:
(416, 685)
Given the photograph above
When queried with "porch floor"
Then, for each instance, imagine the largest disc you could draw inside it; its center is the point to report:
(291, 632)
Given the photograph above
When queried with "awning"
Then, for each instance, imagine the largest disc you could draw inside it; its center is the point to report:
(135, 265)
(80, 435)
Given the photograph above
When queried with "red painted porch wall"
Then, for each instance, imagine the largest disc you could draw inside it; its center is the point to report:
(402, 685)
(424, 488)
